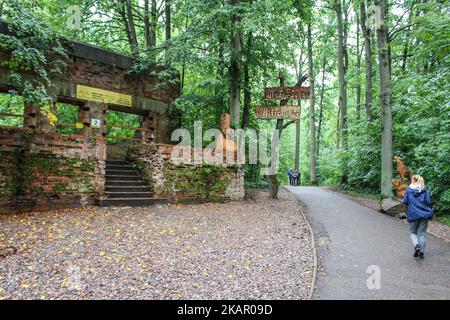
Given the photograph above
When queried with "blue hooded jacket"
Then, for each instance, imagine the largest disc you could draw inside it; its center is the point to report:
(418, 202)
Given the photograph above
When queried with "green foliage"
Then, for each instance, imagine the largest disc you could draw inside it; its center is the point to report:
(34, 48)
(200, 50)
(66, 114)
(11, 104)
(421, 111)
(122, 119)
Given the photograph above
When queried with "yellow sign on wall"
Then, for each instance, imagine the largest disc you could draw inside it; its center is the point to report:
(103, 96)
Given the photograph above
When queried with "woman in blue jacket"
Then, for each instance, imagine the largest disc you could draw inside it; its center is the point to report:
(417, 198)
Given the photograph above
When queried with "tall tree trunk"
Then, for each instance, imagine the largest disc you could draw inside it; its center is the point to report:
(298, 122)
(183, 74)
(134, 41)
(368, 60)
(358, 69)
(406, 41)
(235, 70)
(147, 24)
(247, 88)
(183, 66)
(345, 32)
(168, 13)
(386, 108)
(342, 84)
(222, 107)
(322, 92)
(312, 112)
(153, 24)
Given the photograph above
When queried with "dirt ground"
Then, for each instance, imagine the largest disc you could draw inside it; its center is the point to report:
(254, 249)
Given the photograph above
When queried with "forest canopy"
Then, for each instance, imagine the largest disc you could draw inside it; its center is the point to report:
(379, 71)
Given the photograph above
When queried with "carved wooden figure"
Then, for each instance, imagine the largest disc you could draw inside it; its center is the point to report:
(402, 169)
(399, 187)
(227, 144)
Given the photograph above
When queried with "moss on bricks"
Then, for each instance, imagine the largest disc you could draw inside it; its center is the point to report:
(206, 182)
(36, 168)
(145, 170)
(8, 173)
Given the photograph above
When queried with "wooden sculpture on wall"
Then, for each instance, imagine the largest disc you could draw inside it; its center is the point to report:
(227, 144)
(401, 184)
(402, 169)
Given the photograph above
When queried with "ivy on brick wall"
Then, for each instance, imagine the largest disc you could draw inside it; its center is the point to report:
(207, 182)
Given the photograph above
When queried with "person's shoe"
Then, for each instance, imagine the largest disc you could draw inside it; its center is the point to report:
(416, 252)
(421, 255)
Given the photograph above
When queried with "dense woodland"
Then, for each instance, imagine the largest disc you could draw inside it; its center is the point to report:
(380, 87)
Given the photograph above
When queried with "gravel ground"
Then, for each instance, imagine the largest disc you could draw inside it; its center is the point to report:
(238, 250)
(435, 228)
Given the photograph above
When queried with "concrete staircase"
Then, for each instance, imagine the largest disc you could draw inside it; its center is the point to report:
(124, 187)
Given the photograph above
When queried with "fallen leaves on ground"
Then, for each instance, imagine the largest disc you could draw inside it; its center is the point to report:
(237, 250)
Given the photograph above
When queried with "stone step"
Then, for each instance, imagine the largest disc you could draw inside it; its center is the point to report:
(135, 202)
(120, 167)
(128, 195)
(116, 162)
(121, 173)
(124, 183)
(122, 188)
(110, 178)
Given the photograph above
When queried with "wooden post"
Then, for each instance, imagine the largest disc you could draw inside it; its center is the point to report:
(297, 139)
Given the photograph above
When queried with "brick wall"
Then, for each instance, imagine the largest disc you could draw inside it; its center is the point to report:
(98, 75)
(41, 171)
(181, 182)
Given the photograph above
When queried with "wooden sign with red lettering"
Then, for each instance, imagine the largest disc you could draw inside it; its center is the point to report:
(287, 112)
(287, 93)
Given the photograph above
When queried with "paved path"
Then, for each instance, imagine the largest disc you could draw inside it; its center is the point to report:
(350, 238)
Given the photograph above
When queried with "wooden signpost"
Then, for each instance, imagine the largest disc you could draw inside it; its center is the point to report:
(281, 112)
(288, 112)
(282, 93)
(287, 93)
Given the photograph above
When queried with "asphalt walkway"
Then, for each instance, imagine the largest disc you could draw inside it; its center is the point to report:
(354, 243)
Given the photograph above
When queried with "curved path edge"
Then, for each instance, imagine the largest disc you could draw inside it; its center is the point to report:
(313, 243)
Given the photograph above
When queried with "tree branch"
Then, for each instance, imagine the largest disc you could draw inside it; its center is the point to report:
(287, 124)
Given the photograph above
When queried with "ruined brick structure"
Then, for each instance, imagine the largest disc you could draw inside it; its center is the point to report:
(41, 169)
(186, 181)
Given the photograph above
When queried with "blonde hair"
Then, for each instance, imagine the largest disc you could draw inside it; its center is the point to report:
(417, 181)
